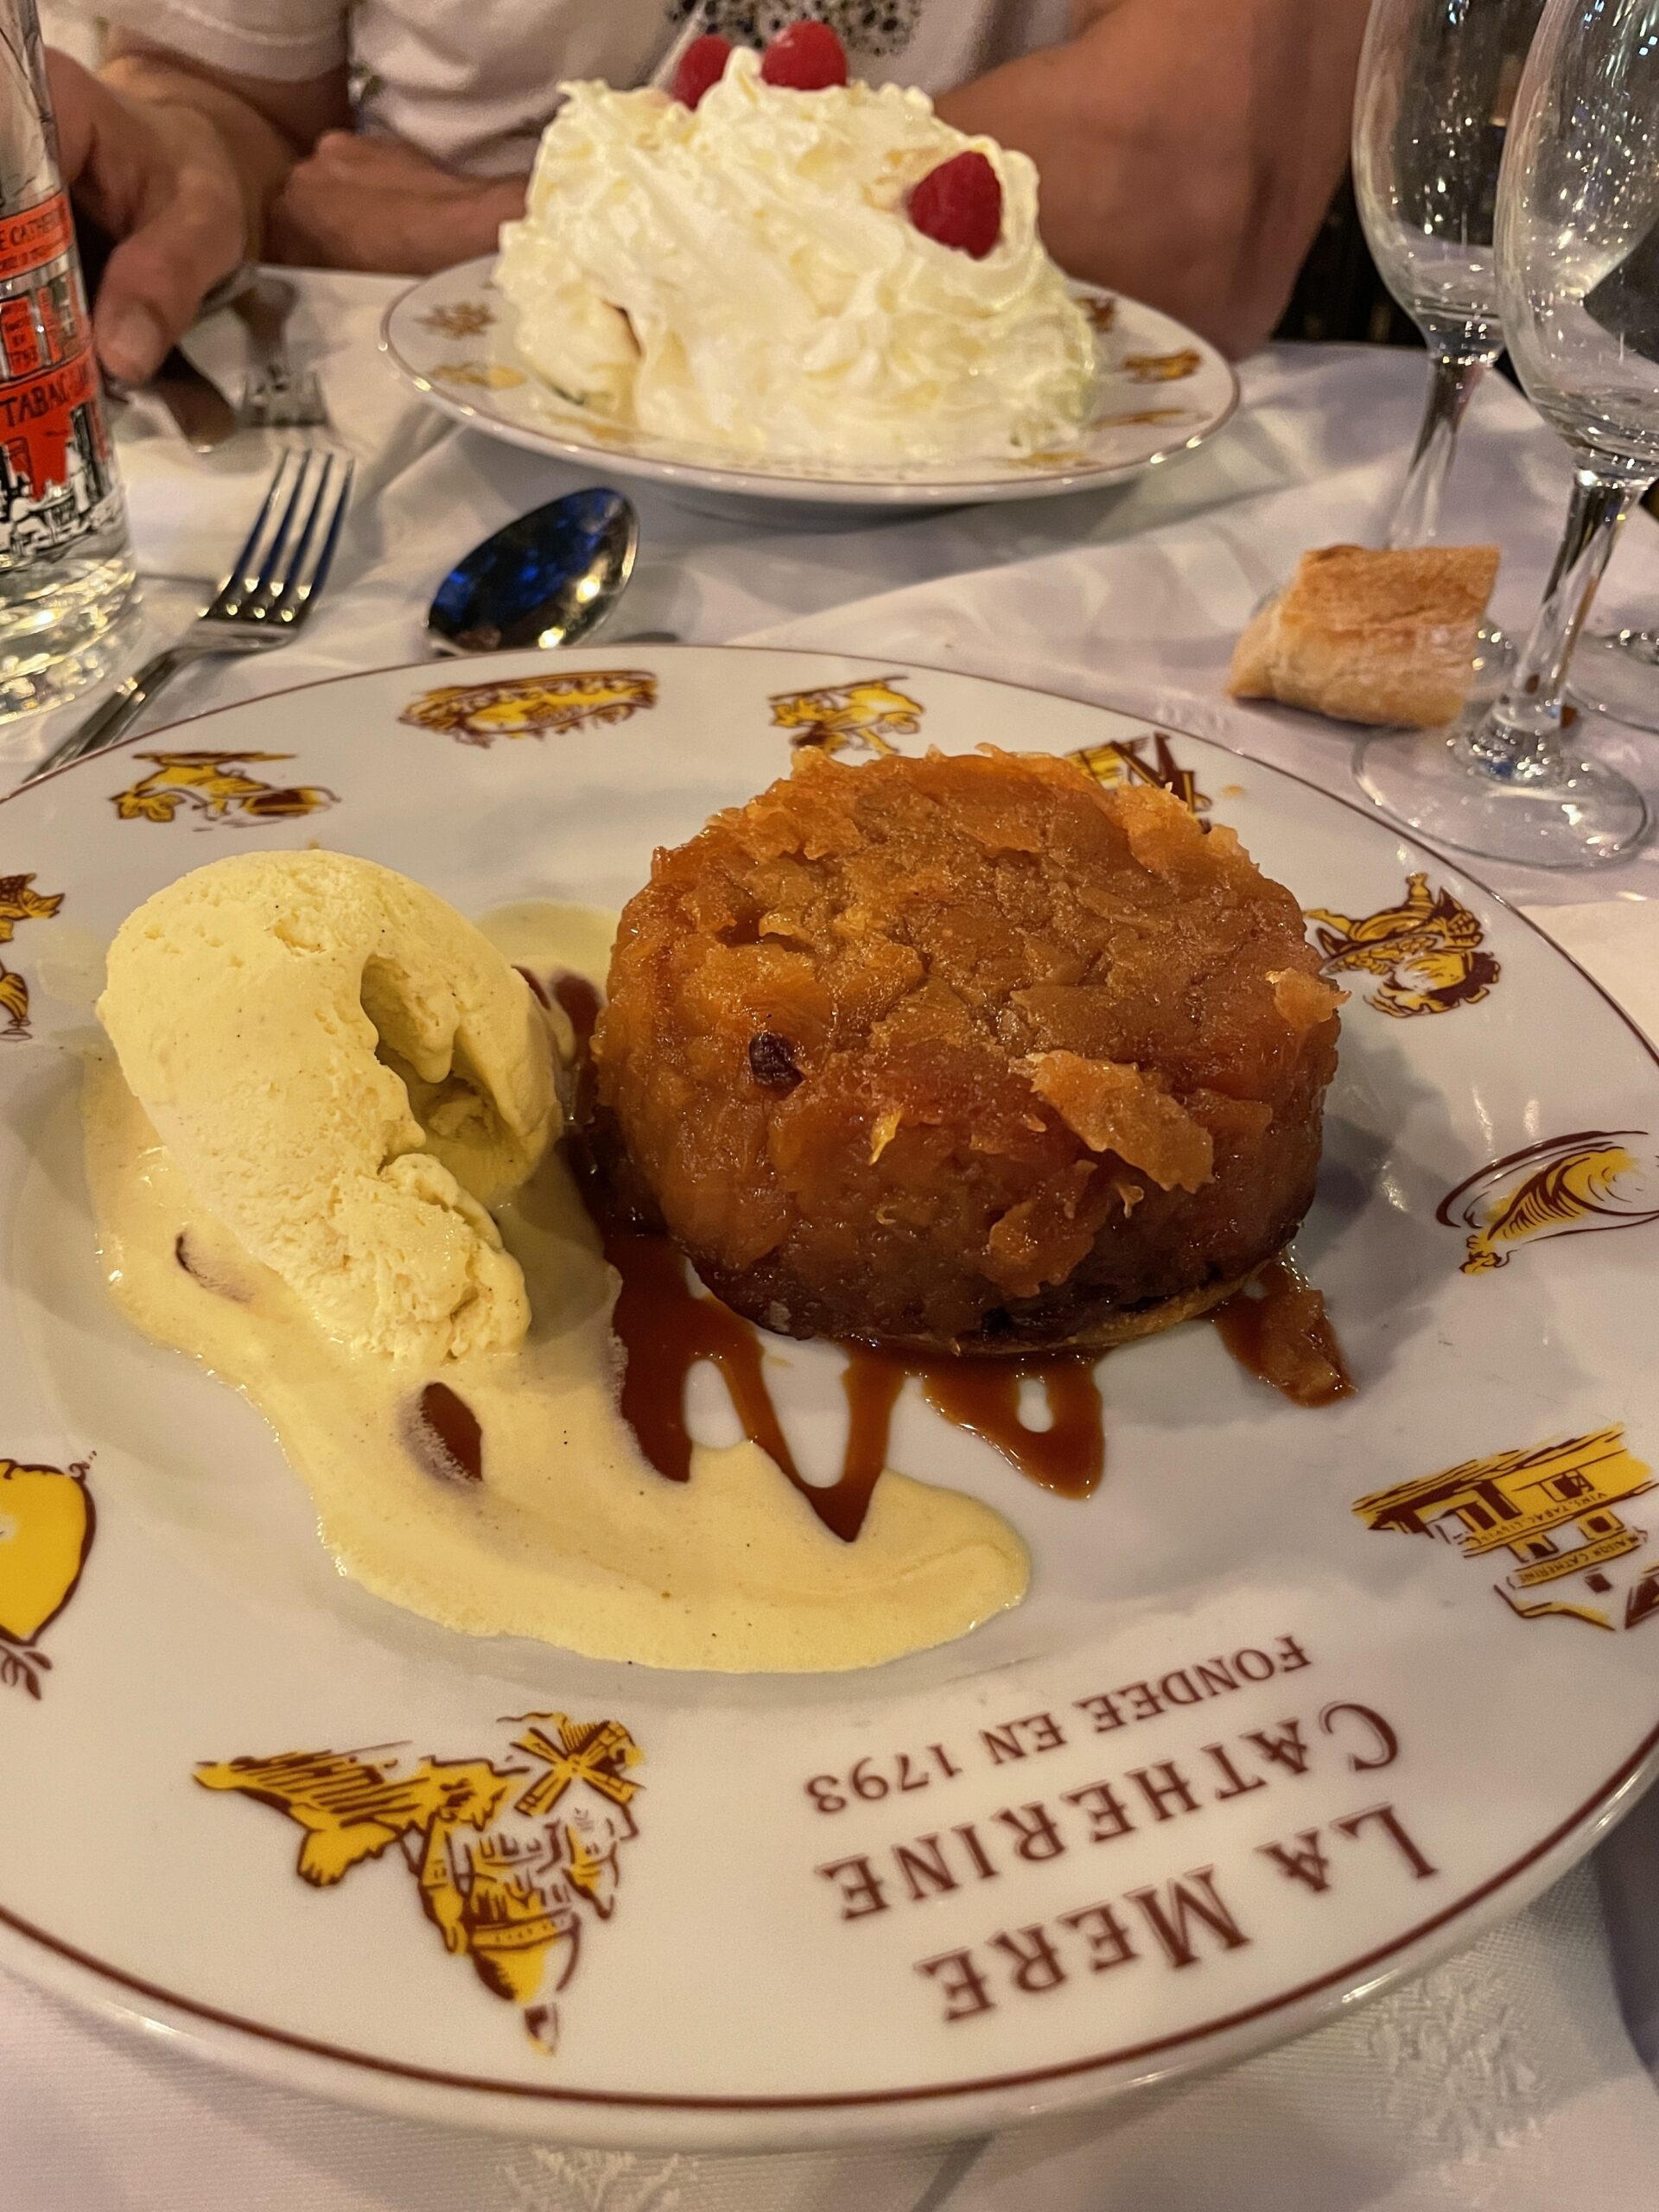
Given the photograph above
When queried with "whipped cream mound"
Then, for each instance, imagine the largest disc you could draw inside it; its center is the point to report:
(744, 277)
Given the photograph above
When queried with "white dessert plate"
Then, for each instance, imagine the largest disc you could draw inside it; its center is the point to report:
(1163, 391)
(1299, 1700)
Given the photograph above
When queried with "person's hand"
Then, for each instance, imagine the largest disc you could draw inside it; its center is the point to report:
(374, 203)
(159, 180)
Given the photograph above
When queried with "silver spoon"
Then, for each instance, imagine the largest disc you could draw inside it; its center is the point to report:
(549, 579)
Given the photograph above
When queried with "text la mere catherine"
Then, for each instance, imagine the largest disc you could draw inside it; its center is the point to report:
(1177, 1923)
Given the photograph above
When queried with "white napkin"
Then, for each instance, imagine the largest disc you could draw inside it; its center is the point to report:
(1501, 2078)
(1619, 943)
(190, 512)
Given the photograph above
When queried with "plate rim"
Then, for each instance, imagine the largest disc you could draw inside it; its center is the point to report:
(990, 2101)
(1446, 856)
(316, 2067)
(820, 491)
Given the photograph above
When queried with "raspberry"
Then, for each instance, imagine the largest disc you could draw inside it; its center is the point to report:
(960, 204)
(807, 58)
(702, 67)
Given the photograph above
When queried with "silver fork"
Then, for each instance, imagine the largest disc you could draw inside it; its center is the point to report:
(262, 604)
(276, 397)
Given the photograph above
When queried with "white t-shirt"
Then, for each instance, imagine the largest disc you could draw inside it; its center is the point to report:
(471, 82)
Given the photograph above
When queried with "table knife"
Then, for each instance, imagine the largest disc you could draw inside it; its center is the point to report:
(204, 415)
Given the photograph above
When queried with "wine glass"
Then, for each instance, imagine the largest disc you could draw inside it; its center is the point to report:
(1578, 272)
(1616, 672)
(1437, 80)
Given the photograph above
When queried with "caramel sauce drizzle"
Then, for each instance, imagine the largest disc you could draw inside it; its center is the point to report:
(665, 1326)
(184, 1253)
(442, 1433)
(982, 1397)
(578, 1000)
(1277, 1329)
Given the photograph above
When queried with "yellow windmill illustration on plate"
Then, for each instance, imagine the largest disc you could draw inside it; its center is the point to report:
(216, 786)
(1126, 761)
(460, 319)
(532, 706)
(21, 902)
(510, 1852)
(478, 376)
(1162, 368)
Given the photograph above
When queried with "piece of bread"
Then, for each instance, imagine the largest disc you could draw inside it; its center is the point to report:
(1370, 636)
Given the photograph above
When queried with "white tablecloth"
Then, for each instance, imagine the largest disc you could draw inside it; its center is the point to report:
(1515, 2076)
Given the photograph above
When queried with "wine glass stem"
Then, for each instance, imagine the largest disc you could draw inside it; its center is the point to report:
(1519, 740)
(1453, 372)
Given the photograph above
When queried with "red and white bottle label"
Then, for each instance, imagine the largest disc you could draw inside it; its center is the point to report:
(56, 481)
(36, 236)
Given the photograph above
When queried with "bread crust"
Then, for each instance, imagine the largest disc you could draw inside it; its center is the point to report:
(1364, 635)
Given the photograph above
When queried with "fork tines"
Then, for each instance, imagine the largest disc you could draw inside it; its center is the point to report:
(285, 560)
(282, 400)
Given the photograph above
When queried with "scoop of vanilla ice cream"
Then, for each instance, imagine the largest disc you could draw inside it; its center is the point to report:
(346, 1073)
(744, 276)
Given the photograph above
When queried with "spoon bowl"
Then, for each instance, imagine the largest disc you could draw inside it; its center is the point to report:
(548, 579)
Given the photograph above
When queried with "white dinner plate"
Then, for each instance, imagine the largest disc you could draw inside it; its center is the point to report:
(1162, 392)
(1299, 1700)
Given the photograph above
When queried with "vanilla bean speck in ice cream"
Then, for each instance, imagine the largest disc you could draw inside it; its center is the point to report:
(746, 275)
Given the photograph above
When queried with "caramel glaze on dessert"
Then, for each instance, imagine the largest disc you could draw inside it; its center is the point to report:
(1276, 1328)
(665, 1326)
(982, 1397)
(965, 1055)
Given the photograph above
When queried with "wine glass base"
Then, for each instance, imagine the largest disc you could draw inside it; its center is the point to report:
(1428, 781)
(1619, 676)
(1494, 659)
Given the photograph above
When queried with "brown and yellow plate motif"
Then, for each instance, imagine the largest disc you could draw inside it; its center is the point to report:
(1297, 1702)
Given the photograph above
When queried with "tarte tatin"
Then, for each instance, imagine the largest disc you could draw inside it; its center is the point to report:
(967, 1054)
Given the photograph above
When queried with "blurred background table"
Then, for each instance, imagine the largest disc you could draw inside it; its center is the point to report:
(1515, 2074)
